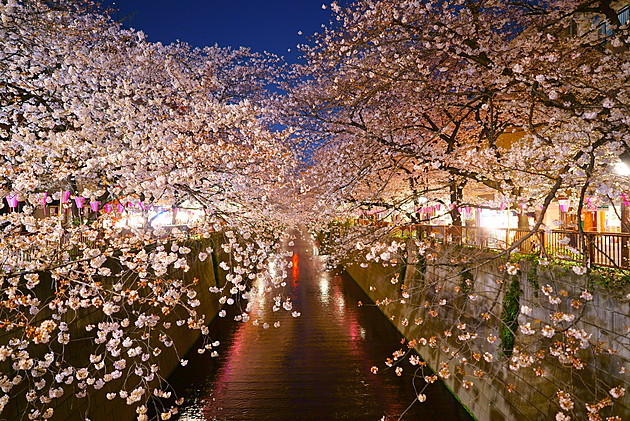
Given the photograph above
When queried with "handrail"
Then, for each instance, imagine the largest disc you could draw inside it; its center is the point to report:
(593, 248)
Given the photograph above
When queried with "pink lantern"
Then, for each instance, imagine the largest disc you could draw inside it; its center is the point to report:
(79, 201)
(108, 208)
(438, 207)
(120, 208)
(12, 200)
(65, 197)
(95, 205)
(564, 205)
(44, 201)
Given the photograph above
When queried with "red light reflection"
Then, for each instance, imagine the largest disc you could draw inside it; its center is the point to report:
(295, 270)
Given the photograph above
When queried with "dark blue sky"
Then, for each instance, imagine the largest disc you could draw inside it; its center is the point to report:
(270, 25)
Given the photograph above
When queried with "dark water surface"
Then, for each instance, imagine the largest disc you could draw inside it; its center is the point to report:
(314, 367)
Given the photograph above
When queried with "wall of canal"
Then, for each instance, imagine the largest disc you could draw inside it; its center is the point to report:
(503, 393)
(96, 406)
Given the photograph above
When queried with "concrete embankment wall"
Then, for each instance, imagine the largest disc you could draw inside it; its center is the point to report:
(96, 406)
(530, 397)
(101, 409)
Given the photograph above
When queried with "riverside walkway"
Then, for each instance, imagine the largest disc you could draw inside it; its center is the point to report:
(314, 367)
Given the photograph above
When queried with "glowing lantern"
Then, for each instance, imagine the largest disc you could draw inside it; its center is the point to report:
(12, 200)
(79, 201)
(564, 205)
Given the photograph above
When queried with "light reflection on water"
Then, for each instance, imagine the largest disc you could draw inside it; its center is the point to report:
(315, 367)
(324, 288)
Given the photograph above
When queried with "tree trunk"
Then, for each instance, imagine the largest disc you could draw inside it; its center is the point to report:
(457, 193)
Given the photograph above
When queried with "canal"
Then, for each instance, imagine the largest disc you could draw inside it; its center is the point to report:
(313, 367)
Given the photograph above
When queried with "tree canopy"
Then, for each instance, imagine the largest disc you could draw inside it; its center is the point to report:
(398, 104)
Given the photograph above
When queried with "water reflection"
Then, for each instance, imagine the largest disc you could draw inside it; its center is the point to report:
(324, 288)
(315, 367)
(295, 270)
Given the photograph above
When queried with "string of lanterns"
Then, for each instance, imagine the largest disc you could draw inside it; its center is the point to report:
(590, 204)
(80, 202)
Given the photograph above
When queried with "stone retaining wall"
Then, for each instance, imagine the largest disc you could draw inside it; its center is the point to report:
(533, 397)
(97, 407)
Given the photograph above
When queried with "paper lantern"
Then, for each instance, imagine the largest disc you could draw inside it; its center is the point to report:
(65, 197)
(12, 200)
(44, 201)
(79, 201)
(564, 205)
(95, 205)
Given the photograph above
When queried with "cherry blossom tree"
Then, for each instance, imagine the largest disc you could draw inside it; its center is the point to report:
(467, 104)
(114, 131)
(441, 85)
(400, 104)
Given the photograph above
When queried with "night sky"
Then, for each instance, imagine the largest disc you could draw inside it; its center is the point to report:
(270, 25)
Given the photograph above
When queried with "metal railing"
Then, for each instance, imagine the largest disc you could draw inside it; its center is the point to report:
(596, 248)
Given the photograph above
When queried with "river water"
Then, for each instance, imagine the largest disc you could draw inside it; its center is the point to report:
(314, 367)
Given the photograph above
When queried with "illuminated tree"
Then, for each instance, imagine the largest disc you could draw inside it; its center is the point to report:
(469, 103)
(116, 130)
(443, 84)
